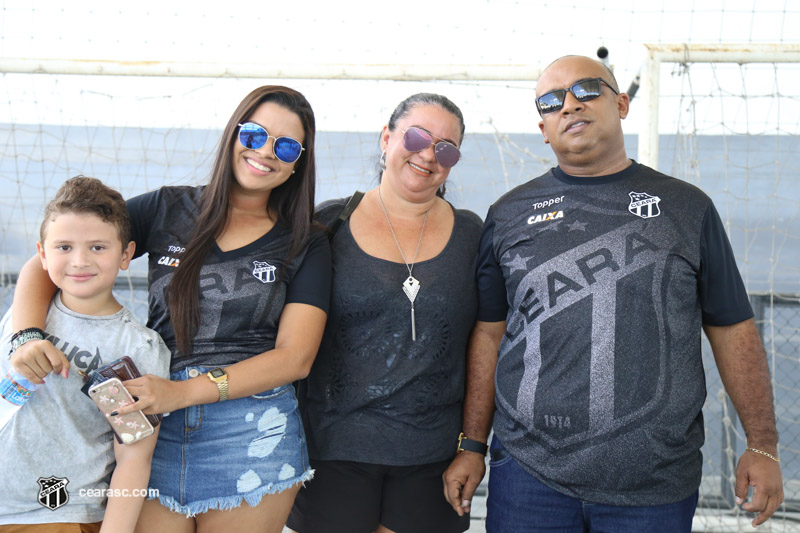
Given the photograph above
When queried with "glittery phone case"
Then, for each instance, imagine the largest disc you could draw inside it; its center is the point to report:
(111, 395)
(122, 368)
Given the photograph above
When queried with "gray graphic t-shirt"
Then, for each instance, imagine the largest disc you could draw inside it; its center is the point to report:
(604, 283)
(242, 291)
(57, 450)
(374, 395)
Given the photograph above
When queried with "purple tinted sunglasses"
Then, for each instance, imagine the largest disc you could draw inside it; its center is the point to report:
(416, 139)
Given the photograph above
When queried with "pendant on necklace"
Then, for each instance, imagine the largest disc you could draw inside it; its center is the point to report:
(411, 288)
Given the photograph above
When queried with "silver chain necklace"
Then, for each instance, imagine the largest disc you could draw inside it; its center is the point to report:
(410, 285)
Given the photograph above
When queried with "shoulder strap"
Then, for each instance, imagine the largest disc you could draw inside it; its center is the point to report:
(346, 212)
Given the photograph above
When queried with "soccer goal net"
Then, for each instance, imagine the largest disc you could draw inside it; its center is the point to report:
(140, 127)
(736, 116)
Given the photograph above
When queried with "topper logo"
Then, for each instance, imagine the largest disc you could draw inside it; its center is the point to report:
(547, 203)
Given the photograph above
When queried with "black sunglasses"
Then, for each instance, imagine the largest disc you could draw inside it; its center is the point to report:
(583, 91)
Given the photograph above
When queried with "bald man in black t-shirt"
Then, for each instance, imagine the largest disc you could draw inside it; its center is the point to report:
(594, 281)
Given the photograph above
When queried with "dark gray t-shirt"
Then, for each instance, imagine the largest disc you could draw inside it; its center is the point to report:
(604, 283)
(374, 395)
(242, 291)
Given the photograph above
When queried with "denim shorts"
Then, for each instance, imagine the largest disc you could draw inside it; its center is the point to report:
(519, 502)
(216, 455)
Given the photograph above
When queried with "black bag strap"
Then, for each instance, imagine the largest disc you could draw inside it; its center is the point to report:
(345, 214)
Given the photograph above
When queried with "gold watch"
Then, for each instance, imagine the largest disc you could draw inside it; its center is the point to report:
(220, 377)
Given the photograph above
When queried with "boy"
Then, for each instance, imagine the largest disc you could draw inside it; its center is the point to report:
(57, 449)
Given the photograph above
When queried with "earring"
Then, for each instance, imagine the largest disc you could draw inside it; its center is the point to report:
(382, 161)
(292, 171)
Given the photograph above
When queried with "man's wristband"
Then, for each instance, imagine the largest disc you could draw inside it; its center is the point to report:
(24, 335)
(469, 445)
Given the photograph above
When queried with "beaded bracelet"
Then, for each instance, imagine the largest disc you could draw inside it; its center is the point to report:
(765, 454)
(24, 335)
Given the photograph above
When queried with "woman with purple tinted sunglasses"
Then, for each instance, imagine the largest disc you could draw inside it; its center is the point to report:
(383, 402)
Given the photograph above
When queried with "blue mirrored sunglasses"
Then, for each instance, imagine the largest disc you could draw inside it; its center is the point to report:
(253, 136)
(583, 91)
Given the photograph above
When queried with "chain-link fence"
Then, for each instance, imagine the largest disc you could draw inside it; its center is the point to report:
(778, 319)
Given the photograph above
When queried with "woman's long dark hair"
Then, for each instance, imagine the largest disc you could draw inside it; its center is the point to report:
(292, 203)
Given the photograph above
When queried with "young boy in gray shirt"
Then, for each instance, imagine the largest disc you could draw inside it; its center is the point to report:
(59, 454)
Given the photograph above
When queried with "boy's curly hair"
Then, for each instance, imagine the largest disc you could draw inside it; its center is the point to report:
(90, 196)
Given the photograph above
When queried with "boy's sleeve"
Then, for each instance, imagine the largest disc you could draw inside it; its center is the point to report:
(153, 357)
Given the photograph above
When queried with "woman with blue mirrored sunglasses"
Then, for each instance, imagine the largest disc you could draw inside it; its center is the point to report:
(251, 222)
(254, 220)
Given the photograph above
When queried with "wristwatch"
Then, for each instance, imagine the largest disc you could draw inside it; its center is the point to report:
(469, 445)
(220, 377)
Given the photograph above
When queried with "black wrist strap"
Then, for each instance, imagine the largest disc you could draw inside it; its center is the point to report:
(469, 445)
(21, 337)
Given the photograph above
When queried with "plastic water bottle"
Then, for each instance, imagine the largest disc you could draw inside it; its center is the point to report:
(15, 391)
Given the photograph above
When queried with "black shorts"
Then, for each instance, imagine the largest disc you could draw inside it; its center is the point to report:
(351, 497)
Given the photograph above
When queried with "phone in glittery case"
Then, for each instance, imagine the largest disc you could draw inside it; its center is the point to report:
(111, 395)
(122, 368)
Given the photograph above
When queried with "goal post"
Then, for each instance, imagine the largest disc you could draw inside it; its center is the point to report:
(139, 125)
(726, 117)
(322, 71)
(658, 54)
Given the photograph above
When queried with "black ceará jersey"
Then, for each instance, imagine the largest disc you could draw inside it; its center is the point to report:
(604, 283)
(242, 291)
